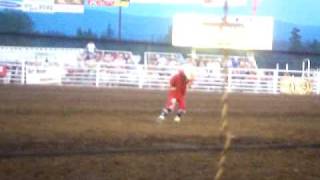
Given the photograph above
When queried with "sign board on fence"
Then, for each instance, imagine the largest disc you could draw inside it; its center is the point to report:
(43, 74)
(240, 32)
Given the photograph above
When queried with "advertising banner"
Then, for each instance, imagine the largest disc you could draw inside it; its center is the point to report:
(69, 6)
(216, 3)
(44, 6)
(107, 3)
(295, 86)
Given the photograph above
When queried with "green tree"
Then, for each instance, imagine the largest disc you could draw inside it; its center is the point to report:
(314, 46)
(295, 40)
(55, 33)
(79, 32)
(109, 33)
(87, 34)
(168, 36)
(15, 22)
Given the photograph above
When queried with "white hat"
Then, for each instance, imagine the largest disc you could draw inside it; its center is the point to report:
(189, 70)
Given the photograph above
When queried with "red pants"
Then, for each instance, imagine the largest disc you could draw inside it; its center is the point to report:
(174, 100)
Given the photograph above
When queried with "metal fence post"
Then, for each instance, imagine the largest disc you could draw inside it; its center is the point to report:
(23, 72)
(275, 79)
(98, 74)
(61, 70)
(257, 79)
(141, 72)
(229, 79)
(318, 81)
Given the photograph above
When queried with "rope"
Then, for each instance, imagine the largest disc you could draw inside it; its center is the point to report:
(226, 134)
(225, 131)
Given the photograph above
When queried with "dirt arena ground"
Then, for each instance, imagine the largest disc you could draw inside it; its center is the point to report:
(92, 134)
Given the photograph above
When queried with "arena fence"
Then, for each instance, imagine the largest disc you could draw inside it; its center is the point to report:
(20, 66)
(272, 81)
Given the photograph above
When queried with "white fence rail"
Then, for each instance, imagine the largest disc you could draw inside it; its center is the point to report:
(70, 66)
(153, 77)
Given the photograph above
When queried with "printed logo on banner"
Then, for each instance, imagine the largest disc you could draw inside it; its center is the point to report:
(46, 6)
(214, 3)
(108, 2)
(71, 6)
(11, 4)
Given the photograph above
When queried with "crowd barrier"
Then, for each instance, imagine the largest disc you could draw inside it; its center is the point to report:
(124, 72)
(153, 77)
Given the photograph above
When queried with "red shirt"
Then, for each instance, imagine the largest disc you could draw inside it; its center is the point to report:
(180, 83)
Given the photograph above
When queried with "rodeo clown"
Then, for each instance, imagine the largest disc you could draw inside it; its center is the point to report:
(179, 83)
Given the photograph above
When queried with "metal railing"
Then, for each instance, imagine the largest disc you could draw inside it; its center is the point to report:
(66, 66)
(272, 81)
